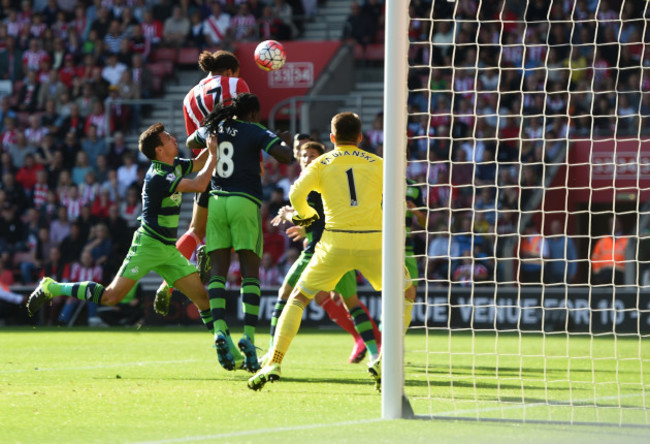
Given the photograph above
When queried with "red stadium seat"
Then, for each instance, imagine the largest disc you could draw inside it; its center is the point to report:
(159, 69)
(188, 56)
(163, 55)
(374, 52)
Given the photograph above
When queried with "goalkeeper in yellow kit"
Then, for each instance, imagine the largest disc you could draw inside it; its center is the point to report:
(350, 181)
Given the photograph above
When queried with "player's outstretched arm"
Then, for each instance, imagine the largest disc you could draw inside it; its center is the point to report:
(196, 140)
(206, 161)
(282, 152)
(304, 214)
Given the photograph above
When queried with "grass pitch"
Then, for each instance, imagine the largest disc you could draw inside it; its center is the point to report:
(166, 386)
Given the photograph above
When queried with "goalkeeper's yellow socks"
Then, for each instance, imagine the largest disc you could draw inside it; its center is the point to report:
(408, 313)
(364, 328)
(288, 326)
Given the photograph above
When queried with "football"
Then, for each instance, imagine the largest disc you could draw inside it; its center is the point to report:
(270, 55)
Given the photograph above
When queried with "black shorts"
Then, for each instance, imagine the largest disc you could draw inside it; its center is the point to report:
(202, 199)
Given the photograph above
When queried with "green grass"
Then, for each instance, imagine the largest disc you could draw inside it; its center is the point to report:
(165, 385)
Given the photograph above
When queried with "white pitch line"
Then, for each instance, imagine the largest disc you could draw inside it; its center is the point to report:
(257, 432)
(95, 367)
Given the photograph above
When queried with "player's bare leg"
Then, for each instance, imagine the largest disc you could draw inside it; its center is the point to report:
(288, 327)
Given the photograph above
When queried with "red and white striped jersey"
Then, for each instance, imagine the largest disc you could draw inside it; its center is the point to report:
(80, 273)
(33, 59)
(212, 90)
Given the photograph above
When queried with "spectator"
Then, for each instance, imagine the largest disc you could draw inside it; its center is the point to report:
(102, 204)
(442, 248)
(11, 61)
(131, 208)
(244, 24)
(269, 272)
(101, 169)
(284, 11)
(101, 23)
(87, 222)
(9, 135)
(533, 251)
(176, 28)
(114, 37)
(72, 244)
(35, 132)
(47, 211)
(98, 119)
(469, 271)
(127, 173)
(121, 234)
(72, 123)
(27, 96)
(270, 26)
(33, 57)
(84, 270)
(274, 241)
(99, 244)
(56, 268)
(608, 255)
(139, 43)
(196, 34)
(82, 166)
(14, 192)
(561, 266)
(72, 202)
(152, 28)
(89, 189)
(87, 99)
(50, 119)
(38, 252)
(113, 70)
(13, 236)
(119, 113)
(217, 27)
(26, 175)
(142, 78)
(40, 189)
(12, 305)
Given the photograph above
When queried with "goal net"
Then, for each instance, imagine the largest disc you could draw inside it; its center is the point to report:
(527, 135)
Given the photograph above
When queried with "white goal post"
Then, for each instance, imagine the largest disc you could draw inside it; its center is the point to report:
(526, 127)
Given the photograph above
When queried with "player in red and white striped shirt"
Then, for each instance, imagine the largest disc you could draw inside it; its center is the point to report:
(220, 85)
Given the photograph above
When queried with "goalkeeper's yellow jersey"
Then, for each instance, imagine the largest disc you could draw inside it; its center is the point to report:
(350, 181)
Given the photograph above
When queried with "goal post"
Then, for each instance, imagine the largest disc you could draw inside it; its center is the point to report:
(526, 126)
(395, 99)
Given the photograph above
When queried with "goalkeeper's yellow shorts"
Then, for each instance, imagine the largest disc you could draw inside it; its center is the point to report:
(339, 252)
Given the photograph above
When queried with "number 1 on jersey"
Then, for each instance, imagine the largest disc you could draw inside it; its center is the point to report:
(352, 187)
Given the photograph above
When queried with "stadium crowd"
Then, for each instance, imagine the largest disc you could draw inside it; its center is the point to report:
(69, 201)
(485, 118)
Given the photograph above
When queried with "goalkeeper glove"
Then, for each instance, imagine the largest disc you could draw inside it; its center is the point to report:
(297, 220)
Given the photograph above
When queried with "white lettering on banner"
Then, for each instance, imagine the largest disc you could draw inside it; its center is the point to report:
(316, 313)
(293, 75)
(626, 165)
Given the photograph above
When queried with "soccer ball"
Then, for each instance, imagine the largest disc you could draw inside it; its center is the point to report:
(270, 55)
